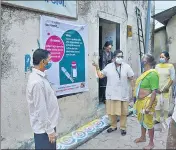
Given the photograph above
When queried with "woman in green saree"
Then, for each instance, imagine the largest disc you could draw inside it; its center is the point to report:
(145, 93)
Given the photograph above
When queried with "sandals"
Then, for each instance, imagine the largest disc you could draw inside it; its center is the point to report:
(111, 130)
(123, 132)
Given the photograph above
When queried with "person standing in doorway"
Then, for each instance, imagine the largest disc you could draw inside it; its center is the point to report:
(42, 102)
(118, 75)
(166, 73)
(106, 57)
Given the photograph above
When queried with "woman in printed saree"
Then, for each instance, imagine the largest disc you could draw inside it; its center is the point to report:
(145, 93)
(166, 73)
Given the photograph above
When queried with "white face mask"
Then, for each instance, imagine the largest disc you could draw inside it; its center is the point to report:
(119, 60)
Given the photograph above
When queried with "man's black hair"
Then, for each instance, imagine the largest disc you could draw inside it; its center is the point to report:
(39, 55)
(117, 52)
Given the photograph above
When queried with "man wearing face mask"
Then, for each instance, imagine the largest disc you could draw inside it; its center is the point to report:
(118, 75)
(42, 102)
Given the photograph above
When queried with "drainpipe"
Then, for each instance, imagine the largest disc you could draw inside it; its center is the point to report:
(147, 27)
(153, 26)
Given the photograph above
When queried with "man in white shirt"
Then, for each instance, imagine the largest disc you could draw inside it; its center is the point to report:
(171, 138)
(119, 74)
(42, 102)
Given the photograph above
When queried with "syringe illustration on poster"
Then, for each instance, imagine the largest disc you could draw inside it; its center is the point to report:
(68, 48)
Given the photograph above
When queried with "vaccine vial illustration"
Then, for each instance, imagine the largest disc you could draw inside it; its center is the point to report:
(74, 69)
(67, 74)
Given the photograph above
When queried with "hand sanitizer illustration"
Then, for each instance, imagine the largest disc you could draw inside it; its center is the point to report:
(74, 69)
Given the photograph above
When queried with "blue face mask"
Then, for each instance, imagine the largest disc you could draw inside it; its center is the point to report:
(48, 66)
(162, 60)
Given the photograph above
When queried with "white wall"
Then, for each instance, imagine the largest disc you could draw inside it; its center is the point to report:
(20, 31)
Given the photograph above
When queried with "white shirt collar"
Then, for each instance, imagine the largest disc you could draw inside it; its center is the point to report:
(38, 72)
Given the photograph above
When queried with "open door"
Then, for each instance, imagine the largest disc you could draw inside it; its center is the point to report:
(108, 31)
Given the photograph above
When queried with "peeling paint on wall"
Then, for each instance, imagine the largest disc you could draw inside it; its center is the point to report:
(6, 64)
(84, 7)
(170, 39)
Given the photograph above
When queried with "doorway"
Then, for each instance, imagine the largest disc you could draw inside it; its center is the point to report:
(108, 31)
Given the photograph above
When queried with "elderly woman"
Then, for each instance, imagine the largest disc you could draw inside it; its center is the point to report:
(118, 75)
(145, 92)
(166, 73)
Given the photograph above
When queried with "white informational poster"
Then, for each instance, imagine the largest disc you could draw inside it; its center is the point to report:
(67, 44)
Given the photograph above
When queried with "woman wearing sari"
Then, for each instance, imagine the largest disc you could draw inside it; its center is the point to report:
(166, 73)
(145, 94)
